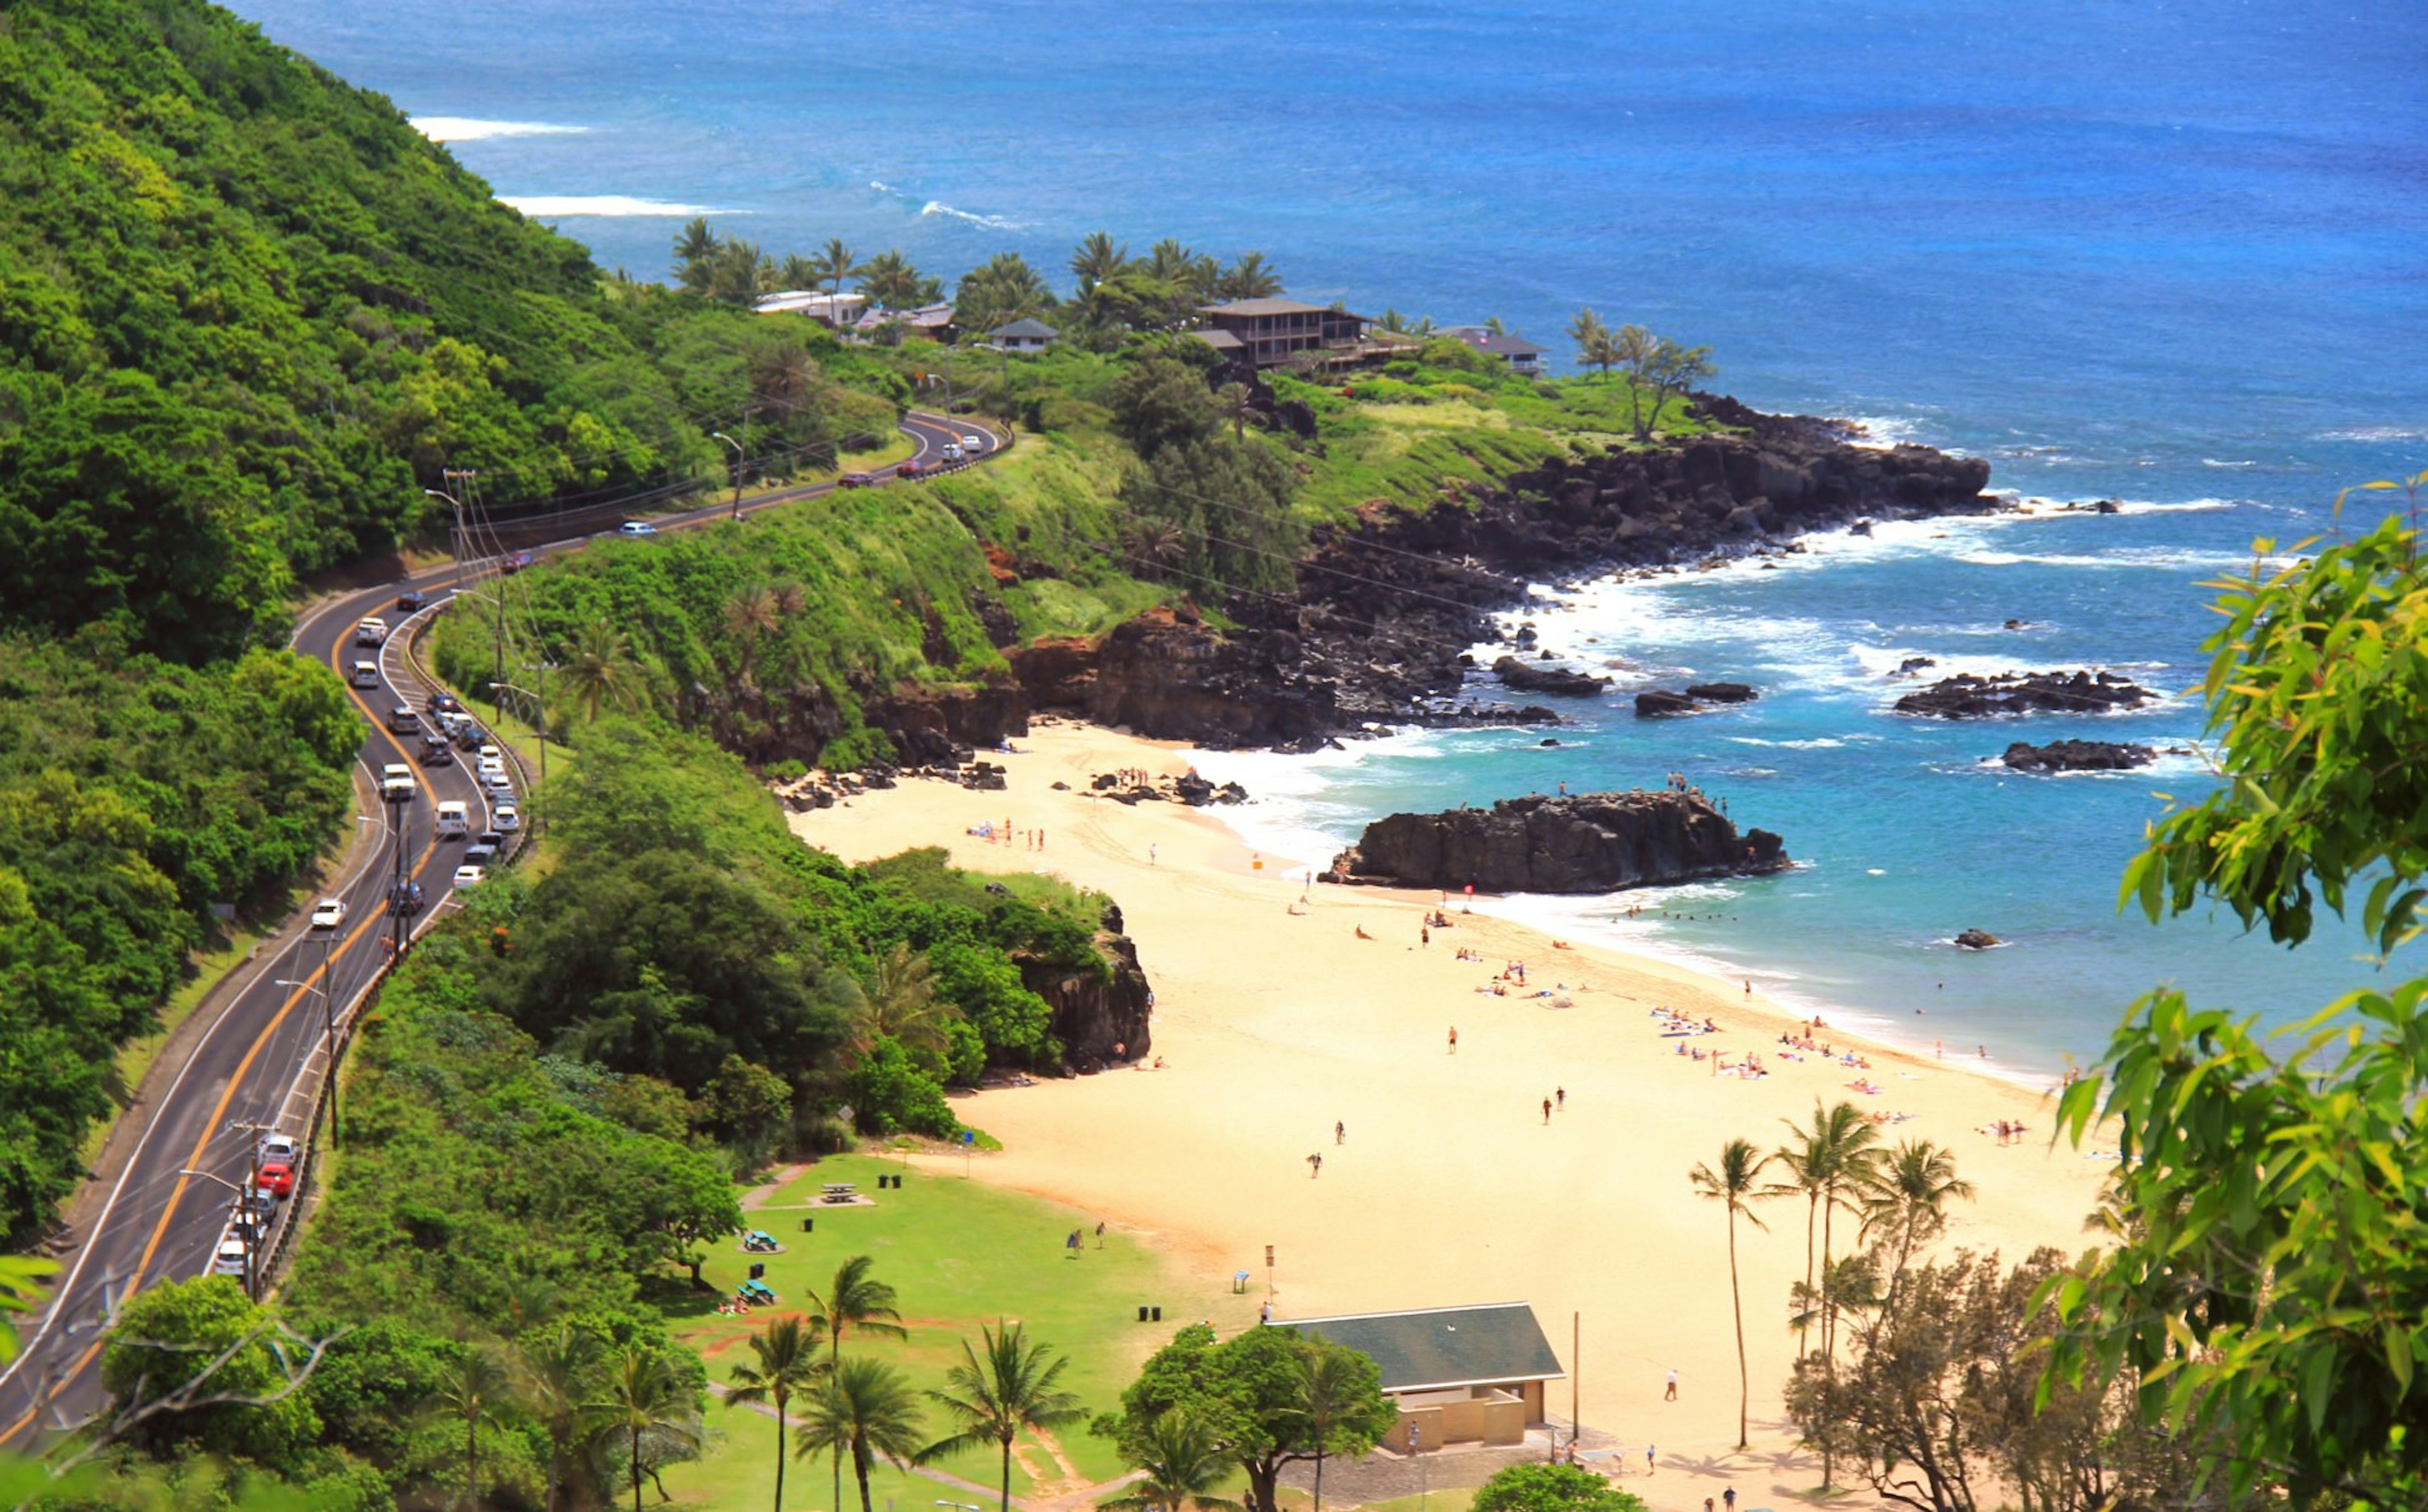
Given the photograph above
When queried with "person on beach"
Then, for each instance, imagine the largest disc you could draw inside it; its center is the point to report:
(1100, 1233)
(1671, 1394)
(1561, 1094)
(1729, 1498)
(1647, 1459)
(1547, 1110)
(1150, 852)
(1453, 1041)
(1314, 1167)
(1070, 1245)
(1339, 1133)
(1424, 935)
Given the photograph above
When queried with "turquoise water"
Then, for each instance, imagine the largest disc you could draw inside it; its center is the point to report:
(2165, 254)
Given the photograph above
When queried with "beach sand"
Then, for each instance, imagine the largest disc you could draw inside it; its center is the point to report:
(1451, 1186)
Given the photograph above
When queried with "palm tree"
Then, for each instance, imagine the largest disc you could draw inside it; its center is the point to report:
(799, 273)
(865, 1409)
(1237, 405)
(855, 1299)
(694, 245)
(749, 614)
(788, 1364)
(1634, 348)
(1097, 258)
(640, 1395)
(1801, 1159)
(1593, 340)
(1734, 1184)
(1323, 1394)
(1910, 1196)
(1183, 1460)
(602, 670)
(832, 265)
(473, 1387)
(901, 1003)
(555, 1370)
(1013, 1387)
(1250, 278)
(892, 283)
(1830, 1159)
(1172, 262)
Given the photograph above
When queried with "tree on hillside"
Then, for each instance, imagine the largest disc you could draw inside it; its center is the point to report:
(556, 1366)
(1250, 1392)
(791, 1360)
(1184, 267)
(998, 291)
(833, 265)
(1672, 371)
(1161, 401)
(692, 245)
(901, 1003)
(1734, 1183)
(892, 283)
(2268, 1288)
(865, 1410)
(639, 1399)
(1401, 325)
(1250, 278)
(1593, 339)
(472, 1389)
(1550, 1488)
(599, 669)
(1097, 258)
(1182, 1464)
(996, 1391)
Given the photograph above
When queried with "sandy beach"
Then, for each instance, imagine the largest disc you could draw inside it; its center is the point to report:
(1450, 1186)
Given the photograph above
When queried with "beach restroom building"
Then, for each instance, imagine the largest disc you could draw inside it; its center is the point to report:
(1472, 1375)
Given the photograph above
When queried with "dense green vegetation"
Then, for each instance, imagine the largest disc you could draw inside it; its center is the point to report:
(135, 795)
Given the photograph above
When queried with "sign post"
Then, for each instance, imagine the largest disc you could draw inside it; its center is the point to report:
(1268, 1273)
(969, 1137)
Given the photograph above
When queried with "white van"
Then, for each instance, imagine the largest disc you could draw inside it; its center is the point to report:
(367, 674)
(396, 782)
(453, 822)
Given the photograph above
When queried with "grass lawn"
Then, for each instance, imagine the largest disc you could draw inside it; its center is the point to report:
(961, 1254)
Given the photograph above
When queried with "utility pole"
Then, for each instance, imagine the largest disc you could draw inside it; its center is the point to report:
(400, 810)
(253, 1236)
(740, 456)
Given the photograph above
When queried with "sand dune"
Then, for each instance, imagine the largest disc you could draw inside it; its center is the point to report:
(1451, 1186)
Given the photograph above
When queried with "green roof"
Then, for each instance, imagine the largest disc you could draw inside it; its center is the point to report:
(1491, 1342)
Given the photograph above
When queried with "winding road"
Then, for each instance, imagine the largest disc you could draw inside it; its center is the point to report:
(257, 1063)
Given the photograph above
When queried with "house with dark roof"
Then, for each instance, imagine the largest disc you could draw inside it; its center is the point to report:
(1023, 335)
(1271, 332)
(933, 321)
(1471, 1375)
(1523, 355)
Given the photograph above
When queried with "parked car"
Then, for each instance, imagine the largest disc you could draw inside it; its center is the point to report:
(508, 818)
(233, 1258)
(260, 1205)
(856, 481)
(492, 838)
(278, 1178)
(490, 753)
(636, 528)
(912, 469)
(412, 601)
(329, 914)
(280, 1147)
(470, 876)
(370, 631)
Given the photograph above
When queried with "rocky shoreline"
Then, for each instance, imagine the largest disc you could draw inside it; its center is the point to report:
(1378, 631)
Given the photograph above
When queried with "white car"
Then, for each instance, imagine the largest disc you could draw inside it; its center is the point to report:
(500, 785)
(976, 444)
(330, 914)
(952, 453)
(396, 780)
(280, 1147)
(470, 876)
(507, 818)
(488, 765)
(636, 528)
(490, 753)
(230, 1260)
(370, 632)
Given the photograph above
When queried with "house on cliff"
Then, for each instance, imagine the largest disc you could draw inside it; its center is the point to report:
(1023, 335)
(1271, 332)
(1471, 1375)
(1523, 355)
(838, 311)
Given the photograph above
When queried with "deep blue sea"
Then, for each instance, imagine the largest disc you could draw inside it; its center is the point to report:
(2166, 254)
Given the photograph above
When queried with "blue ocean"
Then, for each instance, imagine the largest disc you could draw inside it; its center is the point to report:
(2165, 254)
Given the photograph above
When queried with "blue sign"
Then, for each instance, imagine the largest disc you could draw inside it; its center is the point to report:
(969, 1136)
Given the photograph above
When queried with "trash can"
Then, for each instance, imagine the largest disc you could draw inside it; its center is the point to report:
(809, 1225)
(1142, 1314)
(1158, 1313)
(758, 1271)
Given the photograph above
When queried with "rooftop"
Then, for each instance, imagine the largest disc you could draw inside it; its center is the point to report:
(1495, 343)
(1033, 329)
(1434, 1347)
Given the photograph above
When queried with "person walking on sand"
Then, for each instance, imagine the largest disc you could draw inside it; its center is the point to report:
(1339, 1133)
(1424, 934)
(1453, 1041)
(1314, 1167)
(1150, 852)
(1547, 1110)
(1729, 1498)
(1562, 1095)
(1647, 1459)
(1070, 1245)
(1671, 1394)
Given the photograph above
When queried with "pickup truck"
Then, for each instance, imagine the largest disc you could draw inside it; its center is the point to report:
(396, 782)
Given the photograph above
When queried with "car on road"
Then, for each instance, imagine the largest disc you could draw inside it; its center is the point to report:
(856, 481)
(513, 561)
(508, 818)
(500, 784)
(480, 854)
(234, 1256)
(280, 1147)
(277, 1178)
(371, 631)
(405, 898)
(952, 451)
(365, 674)
(637, 529)
(396, 782)
(259, 1207)
(412, 601)
(975, 444)
(470, 876)
(329, 914)
(404, 721)
(435, 751)
(443, 702)
(914, 469)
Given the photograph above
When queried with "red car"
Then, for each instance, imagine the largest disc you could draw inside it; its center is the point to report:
(912, 469)
(278, 1179)
(855, 480)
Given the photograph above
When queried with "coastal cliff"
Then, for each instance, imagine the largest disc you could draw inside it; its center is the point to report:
(1589, 842)
(1377, 628)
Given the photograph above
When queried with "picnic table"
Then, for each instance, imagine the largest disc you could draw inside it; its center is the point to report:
(840, 1191)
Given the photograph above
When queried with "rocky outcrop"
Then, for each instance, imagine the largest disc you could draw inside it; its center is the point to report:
(1590, 842)
(1537, 679)
(1967, 696)
(1093, 1015)
(938, 723)
(1659, 703)
(2078, 755)
(1722, 692)
(1977, 939)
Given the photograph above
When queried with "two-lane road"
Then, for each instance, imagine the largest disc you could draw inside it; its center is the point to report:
(256, 1064)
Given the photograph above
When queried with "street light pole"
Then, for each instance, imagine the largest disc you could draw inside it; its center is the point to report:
(328, 1028)
(248, 1228)
(740, 456)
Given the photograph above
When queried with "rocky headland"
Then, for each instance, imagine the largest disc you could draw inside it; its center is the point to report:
(1587, 842)
(2078, 755)
(1967, 697)
(1385, 608)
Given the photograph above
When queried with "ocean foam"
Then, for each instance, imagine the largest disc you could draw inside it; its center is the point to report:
(555, 206)
(464, 128)
(2375, 433)
(989, 222)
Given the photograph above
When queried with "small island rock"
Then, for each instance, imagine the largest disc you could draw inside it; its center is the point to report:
(1977, 939)
(2078, 755)
(1585, 842)
(1967, 697)
(1515, 673)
